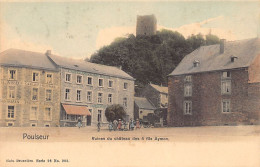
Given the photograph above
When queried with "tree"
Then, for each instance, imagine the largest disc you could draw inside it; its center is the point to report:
(150, 58)
(115, 112)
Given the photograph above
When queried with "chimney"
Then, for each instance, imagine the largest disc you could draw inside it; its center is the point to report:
(222, 46)
(48, 52)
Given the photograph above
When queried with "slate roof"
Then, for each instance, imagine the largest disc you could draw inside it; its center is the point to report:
(143, 103)
(82, 65)
(161, 89)
(210, 58)
(22, 58)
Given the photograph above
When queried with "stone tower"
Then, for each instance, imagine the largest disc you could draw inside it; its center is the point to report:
(146, 25)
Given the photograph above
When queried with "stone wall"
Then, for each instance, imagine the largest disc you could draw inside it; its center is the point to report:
(23, 97)
(146, 25)
(207, 100)
(118, 92)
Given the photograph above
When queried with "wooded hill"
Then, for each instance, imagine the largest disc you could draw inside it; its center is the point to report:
(150, 58)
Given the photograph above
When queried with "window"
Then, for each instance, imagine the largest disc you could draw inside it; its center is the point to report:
(12, 74)
(187, 78)
(46, 125)
(226, 74)
(89, 96)
(110, 84)
(33, 124)
(226, 106)
(10, 124)
(35, 77)
(78, 95)
(11, 92)
(47, 114)
(67, 77)
(109, 100)
(67, 94)
(90, 81)
(79, 79)
(196, 63)
(125, 101)
(48, 78)
(187, 90)
(187, 107)
(100, 95)
(48, 95)
(10, 112)
(99, 116)
(226, 87)
(33, 113)
(100, 82)
(35, 94)
(125, 85)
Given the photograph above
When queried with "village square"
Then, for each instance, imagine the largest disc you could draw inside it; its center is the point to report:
(130, 84)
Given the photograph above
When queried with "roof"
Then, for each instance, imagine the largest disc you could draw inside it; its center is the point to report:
(82, 65)
(143, 103)
(22, 58)
(210, 58)
(161, 89)
(76, 110)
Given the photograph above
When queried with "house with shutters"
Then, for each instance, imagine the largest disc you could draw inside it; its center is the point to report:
(45, 90)
(88, 88)
(217, 85)
(29, 89)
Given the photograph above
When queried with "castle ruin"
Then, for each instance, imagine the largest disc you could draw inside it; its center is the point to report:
(146, 25)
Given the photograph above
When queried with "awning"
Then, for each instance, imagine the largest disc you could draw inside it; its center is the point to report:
(76, 110)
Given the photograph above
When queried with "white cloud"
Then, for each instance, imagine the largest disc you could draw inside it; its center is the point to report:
(196, 28)
(107, 35)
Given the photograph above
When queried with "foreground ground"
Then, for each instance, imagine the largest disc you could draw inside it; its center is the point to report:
(74, 134)
(183, 146)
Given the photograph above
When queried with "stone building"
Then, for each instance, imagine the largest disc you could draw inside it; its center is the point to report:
(217, 85)
(146, 25)
(29, 89)
(156, 94)
(142, 107)
(88, 88)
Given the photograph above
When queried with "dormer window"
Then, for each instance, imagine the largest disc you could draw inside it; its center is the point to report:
(196, 63)
(233, 58)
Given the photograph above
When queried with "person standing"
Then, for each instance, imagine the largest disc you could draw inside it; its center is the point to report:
(115, 124)
(79, 122)
(119, 124)
(98, 126)
(110, 126)
(137, 124)
(132, 125)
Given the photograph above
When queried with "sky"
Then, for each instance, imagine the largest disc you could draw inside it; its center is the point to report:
(79, 29)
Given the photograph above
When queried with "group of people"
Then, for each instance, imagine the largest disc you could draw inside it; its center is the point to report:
(122, 125)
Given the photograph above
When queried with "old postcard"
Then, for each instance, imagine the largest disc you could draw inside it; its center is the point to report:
(130, 83)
